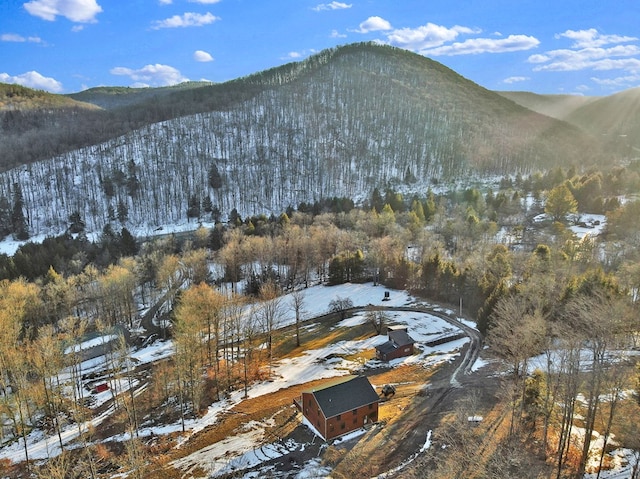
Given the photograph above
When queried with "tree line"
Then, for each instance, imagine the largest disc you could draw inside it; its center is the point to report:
(564, 295)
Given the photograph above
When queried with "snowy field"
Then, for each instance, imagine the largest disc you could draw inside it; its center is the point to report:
(244, 449)
(247, 448)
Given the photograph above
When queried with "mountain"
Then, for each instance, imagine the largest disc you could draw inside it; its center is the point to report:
(615, 119)
(117, 97)
(19, 98)
(340, 123)
(555, 106)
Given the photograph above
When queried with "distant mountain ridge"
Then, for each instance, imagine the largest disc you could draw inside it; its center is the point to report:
(614, 119)
(117, 97)
(19, 98)
(555, 106)
(340, 123)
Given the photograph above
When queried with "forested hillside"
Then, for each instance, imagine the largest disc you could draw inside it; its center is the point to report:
(614, 119)
(341, 123)
(116, 97)
(555, 106)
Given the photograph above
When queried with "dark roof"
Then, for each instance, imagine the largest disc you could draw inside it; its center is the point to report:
(397, 339)
(400, 338)
(345, 394)
(386, 347)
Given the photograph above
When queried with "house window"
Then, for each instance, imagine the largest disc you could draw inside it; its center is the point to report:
(339, 417)
(355, 412)
(355, 420)
(370, 407)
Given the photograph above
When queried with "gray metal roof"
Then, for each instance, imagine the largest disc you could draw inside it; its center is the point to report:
(400, 338)
(344, 396)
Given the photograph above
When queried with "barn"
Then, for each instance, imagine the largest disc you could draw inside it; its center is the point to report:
(400, 344)
(339, 406)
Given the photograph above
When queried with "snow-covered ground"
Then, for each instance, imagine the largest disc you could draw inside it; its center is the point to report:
(244, 448)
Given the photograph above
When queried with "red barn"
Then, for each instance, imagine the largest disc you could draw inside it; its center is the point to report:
(400, 344)
(339, 406)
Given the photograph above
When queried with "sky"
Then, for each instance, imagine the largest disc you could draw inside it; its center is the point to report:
(586, 47)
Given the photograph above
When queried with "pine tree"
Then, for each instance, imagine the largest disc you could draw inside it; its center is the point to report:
(5, 217)
(18, 221)
(215, 180)
(133, 184)
(123, 211)
(77, 224)
(128, 244)
(193, 208)
(207, 204)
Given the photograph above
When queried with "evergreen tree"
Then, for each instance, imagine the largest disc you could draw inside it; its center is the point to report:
(207, 204)
(133, 184)
(215, 180)
(5, 217)
(128, 244)
(193, 207)
(77, 224)
(123, 211)
(376, 200)
(234, 218)
(18, 221)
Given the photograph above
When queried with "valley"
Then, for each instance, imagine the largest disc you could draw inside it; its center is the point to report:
(178, 264)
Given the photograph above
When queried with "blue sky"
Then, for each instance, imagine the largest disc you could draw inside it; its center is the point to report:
(589, 47)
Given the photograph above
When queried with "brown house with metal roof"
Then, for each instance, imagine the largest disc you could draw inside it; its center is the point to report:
(400, 344)
(339, 406)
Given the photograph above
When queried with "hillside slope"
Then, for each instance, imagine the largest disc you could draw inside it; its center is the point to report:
(341, 123)
(19, 98)
(615, 118)
(555, 106)
(117, 97)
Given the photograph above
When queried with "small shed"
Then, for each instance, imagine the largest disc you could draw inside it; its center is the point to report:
(400, 344)
(339, 406)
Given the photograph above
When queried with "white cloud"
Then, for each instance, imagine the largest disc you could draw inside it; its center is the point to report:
(425, 36)
(592, 50)
(586, 58)
(165, 2)
(205, 2)
(202, 56)
(188, 19)
(432, 39)
(336, 34)
(34, 80)
(374, 24)
(623, 81)
(14, 37)
(331, 6)
(298, 55)
(80, 11)
(516, 79)
(475, 46)
(592, 38)
(151, 75)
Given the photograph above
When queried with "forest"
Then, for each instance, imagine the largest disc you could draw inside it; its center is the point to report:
(339, 124)
(507, 255)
